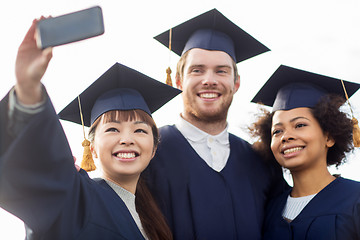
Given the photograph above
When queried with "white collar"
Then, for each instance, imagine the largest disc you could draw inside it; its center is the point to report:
(195, 134)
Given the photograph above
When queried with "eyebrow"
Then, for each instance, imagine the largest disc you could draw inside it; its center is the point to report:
(203, 65)
(292, 120)
(136, 122)
(197, 66)
(140, 122)
(224, 66)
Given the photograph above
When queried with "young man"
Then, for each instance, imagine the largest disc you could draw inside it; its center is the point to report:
(209, 183)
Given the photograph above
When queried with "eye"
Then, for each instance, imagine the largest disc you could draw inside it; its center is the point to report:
(300, 125)
(222, 71)
(276, 132)
(195, 70)
(112, 129)
(141, 130)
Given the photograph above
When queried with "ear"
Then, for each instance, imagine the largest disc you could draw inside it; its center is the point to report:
(329, 141)
(178, 81)
(93, 152)
(237, 84)
(153, 153)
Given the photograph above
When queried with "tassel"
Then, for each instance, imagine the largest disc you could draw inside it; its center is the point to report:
(87, 162)
(356, 129)
(356, 132)
(168, 70)
(168, 76)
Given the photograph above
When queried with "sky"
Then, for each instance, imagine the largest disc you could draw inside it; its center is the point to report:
(319, 36)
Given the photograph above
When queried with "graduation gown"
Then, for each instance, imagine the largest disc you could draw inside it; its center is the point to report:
(333, 214)
(200, 203)
(40, 185)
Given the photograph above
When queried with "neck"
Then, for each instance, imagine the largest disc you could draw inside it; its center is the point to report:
(128, 183)
(310, 182)
(210, 127)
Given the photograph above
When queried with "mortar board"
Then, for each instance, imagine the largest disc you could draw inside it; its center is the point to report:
(212, 31)
(119, 88)
(290, 88)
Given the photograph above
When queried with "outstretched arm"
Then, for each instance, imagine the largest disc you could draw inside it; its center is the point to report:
(31, 64)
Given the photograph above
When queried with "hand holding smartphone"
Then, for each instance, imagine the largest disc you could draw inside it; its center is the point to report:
(70, 27)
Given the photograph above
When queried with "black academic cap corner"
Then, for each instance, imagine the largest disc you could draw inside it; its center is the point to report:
(155, 94)
(245, 45)
(299, 86)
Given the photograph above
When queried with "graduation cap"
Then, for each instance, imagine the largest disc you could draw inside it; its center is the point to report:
(119, 88)
(290, 88)
(212, 31)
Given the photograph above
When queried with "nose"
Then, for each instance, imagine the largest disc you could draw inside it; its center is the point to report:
(126, 139)
(287, 136)
(209, 79)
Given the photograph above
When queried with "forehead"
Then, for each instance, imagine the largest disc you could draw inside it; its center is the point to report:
(283, 116)
(197, 56)
(125, 116)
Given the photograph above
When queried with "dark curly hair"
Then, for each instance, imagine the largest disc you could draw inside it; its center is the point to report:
(331, 119)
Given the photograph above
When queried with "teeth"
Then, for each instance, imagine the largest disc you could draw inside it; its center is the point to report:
(208, 95)
(291, 150)
(125, 155)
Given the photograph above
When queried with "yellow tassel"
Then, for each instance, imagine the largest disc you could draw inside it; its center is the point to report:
(168, 76)
(87, 162)
(356, 129)
(168, 70)
(356, 132)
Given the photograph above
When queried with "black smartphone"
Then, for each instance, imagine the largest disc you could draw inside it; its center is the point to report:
(70, 27)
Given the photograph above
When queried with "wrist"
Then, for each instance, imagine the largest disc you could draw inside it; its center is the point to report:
(30, 94)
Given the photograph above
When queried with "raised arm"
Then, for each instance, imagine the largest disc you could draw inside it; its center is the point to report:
(31, 64)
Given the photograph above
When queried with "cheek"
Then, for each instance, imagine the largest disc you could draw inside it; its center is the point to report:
(274, 146)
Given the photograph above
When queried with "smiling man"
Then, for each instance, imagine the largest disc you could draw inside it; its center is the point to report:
(208, 182)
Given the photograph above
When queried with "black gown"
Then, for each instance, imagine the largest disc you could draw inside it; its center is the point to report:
(200, 203)
(333, 214)
(40, 185)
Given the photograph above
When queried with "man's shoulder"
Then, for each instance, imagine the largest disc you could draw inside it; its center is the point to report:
(168, 130)
(233, 139)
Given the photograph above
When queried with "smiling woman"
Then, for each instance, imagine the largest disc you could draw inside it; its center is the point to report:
(125, 142)
(306, 135)
(50, 196)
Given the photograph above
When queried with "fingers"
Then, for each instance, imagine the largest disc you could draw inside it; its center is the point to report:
(47, 55)
(76, 166)
(31, 32)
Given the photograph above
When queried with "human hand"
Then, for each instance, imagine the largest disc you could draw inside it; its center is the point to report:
(76, 166)
(31, 64)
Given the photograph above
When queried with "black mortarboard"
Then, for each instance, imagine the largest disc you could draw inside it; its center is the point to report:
(119, 88)
(290, 88)
(212, 31)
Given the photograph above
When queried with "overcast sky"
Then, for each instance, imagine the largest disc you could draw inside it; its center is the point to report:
(320, 36)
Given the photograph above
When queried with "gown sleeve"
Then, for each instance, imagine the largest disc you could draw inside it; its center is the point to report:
(37, 173)
(356, 217)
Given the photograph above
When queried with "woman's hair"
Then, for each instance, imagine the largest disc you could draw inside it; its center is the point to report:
(151, 218)
(332, 121)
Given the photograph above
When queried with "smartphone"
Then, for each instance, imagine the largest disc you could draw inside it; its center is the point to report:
(70, 27)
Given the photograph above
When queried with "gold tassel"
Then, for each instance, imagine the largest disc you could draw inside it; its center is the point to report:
(168, 76)
(87, 162)
(168, 70)
(356, 132)
(356, 129)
